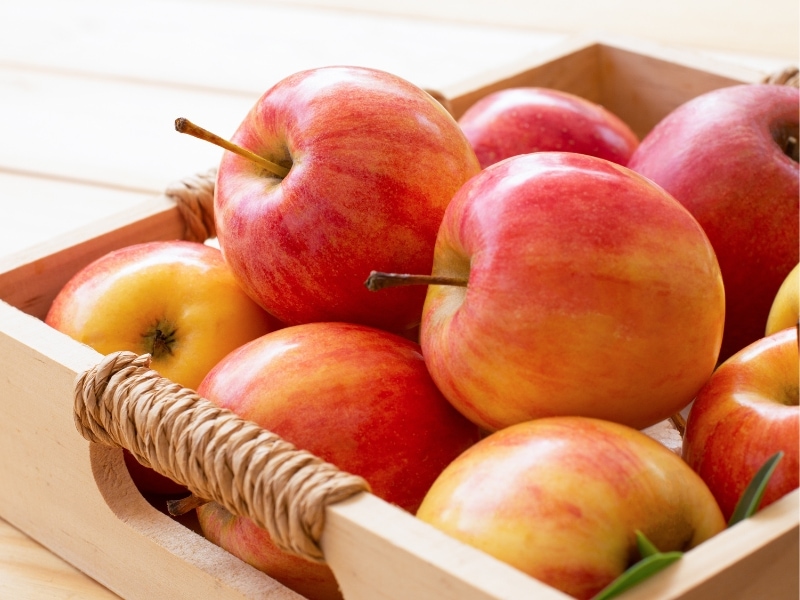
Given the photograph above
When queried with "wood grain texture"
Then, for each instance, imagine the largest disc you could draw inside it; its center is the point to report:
(247, 46)
(765, 28)
(28, 570)
(30, 279)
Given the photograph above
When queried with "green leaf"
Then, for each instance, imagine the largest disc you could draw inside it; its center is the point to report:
(751, 498)
(646, 547)
(640, 571)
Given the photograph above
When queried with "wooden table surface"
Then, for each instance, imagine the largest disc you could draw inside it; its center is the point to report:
(90, 89)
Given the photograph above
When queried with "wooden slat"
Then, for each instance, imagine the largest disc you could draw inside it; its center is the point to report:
(247, 46)
(758, 28)
(30, 279)
(28, 570)
(41, 210)
(120, 134)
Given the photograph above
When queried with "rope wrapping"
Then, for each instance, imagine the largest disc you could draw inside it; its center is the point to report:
(195, 199)
(250, 471)
(788, 76)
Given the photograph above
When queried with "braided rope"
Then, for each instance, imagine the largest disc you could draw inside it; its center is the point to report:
(217, 455)
(788, 76)
(195, 199)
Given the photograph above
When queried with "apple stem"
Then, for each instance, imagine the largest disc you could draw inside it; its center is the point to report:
(181, 506)
(378, 280)
(186, 126)
(679, 422)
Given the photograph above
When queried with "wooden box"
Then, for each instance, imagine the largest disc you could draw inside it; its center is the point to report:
(77, 499)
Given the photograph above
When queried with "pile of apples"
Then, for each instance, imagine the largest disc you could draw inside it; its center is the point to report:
(540, 288)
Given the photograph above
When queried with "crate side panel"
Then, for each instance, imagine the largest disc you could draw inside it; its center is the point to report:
(643, 88)
(30, 280)
(55, 498)
(573, 69)
(757, 558)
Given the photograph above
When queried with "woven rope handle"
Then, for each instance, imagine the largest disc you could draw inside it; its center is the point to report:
(195, 199)
(217, 455)
(788, 76)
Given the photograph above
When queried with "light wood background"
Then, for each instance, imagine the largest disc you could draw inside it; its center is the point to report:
(89, 90)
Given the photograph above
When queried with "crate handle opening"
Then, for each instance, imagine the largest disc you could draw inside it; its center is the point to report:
(250, 471)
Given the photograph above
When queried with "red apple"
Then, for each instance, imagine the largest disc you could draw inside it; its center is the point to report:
(561, 499)
(589, 291)
(175, 300)
(530, 119)
(730, 157)
(358, 397)
(373, 161)
(747, 412)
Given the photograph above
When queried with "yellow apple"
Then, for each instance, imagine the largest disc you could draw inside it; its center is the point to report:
(785, 311)
(561, 499)
(175, 300)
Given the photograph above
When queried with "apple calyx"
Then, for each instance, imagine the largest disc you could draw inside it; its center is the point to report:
(186, 126)
(379, 280)
(159, 339)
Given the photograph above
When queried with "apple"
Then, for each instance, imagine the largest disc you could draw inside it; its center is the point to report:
(561, 499)
(586, 290)
(368, 163)
(746, 412)
(730, 157)
(785, 309)
(175, 300)
(520, 120)
(355, 396)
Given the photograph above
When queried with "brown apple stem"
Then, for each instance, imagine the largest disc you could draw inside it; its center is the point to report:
(679, 422)
(185, 126)
(378, 280)
(181, 506)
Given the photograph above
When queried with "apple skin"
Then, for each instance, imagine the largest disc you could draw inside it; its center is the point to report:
(374, 162)
(746, 412)
(561, 498)
(590, 292)
(785, 309)
(521, 120)
(357, 397)
(717, 155)
(182, 289)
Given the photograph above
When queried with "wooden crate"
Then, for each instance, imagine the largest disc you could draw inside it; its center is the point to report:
(77, 499)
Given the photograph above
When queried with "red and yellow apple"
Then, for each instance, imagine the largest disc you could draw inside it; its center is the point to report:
(175, 300)
(372, 162)
(521, 120)
(785, 309)
(561, 499)
(357, 397)
(747, 412)
(588, 291)
(730, 157)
